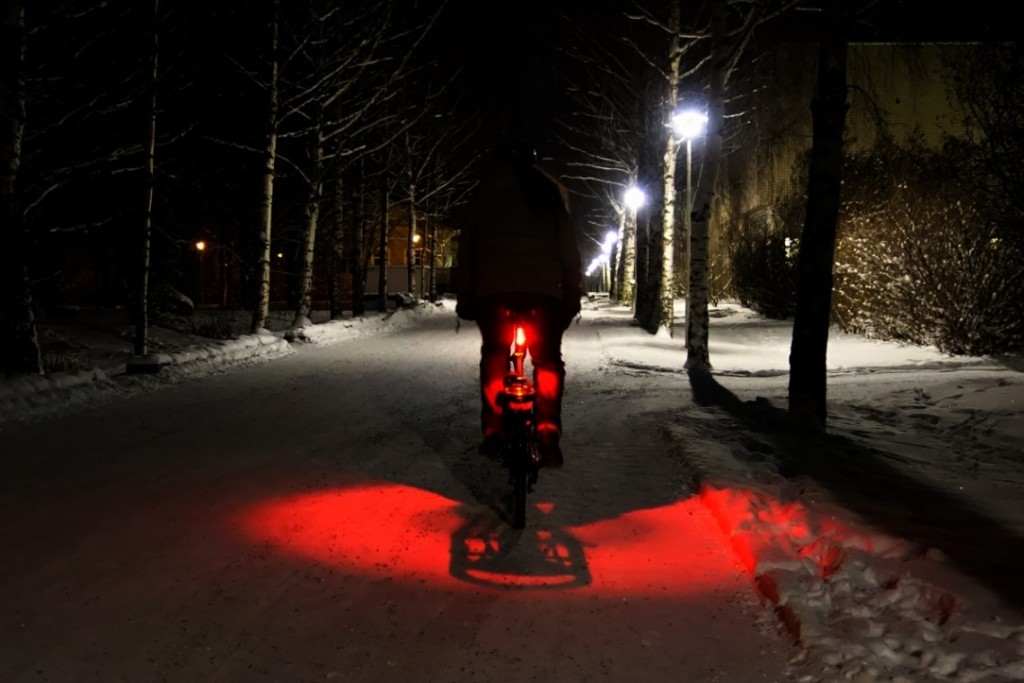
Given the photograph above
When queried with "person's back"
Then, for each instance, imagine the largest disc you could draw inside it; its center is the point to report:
(518, 247)
(517, 234)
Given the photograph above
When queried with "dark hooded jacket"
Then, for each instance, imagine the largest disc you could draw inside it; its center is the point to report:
(517, 236)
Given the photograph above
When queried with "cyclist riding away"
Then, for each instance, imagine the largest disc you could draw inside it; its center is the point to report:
(518, 250)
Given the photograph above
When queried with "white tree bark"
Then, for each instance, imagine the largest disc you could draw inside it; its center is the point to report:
(627, 277)
(261, 309)
(667, 284)
(313, 201)
(149, 183)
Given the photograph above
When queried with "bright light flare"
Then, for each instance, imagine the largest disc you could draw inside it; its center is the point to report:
(634, 198)
(200, 245)
(610, 238)
(689, 123)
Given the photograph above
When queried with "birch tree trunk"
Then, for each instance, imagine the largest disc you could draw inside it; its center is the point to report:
(429, 259)
(19, 344)
(807, 359)
(356, 256)
(665, 312)
(149, 183)
(411, 247)
(313, 201)
(382, 271)
(337, 254)
(666, 285)
(616, 256)
(261, 309)
(627, 273)
(698, 359)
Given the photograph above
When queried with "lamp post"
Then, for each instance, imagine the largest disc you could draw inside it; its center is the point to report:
(200, 249)
(416, 260)
(687, 125)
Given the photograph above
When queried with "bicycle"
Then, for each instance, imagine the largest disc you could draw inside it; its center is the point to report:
(519, 435)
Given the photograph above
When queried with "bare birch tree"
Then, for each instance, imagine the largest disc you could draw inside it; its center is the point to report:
(729, 41)
(666, 57)
(664, 312)
(344, 61)
(19, 345)
(600, 139)
(261, 307)
(437, 161)
(358, 62)
(149, 183)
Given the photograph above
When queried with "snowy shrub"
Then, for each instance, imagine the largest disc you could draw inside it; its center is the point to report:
(764, 267)
(917, 262)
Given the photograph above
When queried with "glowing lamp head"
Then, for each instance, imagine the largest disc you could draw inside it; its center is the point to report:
(688, 124)
(634, 198)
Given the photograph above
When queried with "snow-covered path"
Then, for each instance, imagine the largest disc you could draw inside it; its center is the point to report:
(326, 517)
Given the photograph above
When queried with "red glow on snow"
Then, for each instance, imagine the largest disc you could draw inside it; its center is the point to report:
(763, 529)
(369, 529)
(409, 534)
(400, 532)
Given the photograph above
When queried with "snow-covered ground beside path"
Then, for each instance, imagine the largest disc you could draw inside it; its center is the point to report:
(892, 549)
(843, 533)
(96, 346)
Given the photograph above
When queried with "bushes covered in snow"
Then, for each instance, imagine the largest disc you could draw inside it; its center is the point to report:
(917, 258)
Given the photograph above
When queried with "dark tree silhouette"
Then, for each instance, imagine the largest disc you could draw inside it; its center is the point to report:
(807, 383)
(19, 346)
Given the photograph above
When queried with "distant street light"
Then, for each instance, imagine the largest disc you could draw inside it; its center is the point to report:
(602, 258)
(200, 248)
(607, 248)
(687, 125)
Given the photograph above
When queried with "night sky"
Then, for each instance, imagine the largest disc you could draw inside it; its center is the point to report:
(507, 54)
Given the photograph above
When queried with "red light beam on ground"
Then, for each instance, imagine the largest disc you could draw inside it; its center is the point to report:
(409, 534)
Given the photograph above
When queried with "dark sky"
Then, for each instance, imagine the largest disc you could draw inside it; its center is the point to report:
(918, 20)
(509, 51)
(506, 53)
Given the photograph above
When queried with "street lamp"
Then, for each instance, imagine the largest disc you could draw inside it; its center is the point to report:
(200, 248)
(634, 198)
(687, 125)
